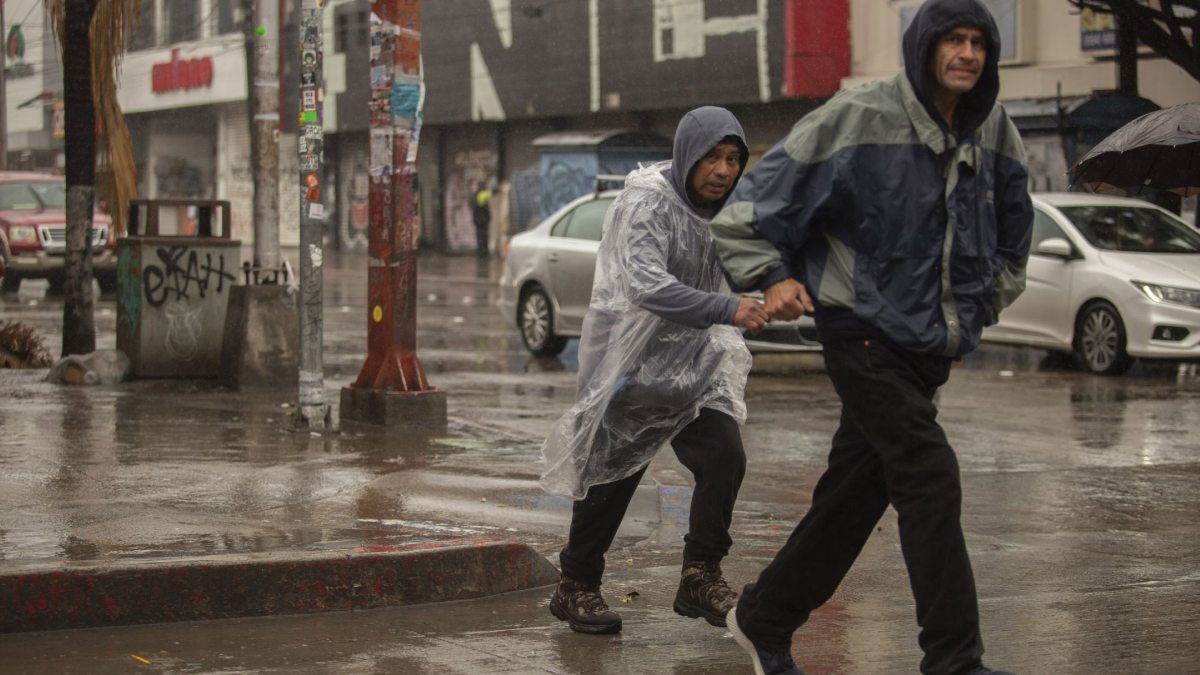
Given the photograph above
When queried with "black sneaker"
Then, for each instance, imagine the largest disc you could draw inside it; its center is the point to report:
(704, 593)
(765, 662)
(583, 608)
(984, 670)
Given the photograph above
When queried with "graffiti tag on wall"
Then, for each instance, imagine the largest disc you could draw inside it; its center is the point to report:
(183, 332)
(469, 167)
(183, 273)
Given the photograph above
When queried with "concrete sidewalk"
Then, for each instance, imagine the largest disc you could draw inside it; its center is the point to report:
(171, 499)
(48, 596)
(177, 500)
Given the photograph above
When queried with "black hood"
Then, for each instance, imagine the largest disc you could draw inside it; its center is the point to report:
(700, 131)
(933, 20)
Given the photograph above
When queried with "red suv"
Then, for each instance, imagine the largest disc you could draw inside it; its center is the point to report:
(33, 233)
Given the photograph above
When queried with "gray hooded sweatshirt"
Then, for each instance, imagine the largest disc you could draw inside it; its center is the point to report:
(658, 343)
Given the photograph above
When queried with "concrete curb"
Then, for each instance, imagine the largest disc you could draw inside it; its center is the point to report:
(69, 596)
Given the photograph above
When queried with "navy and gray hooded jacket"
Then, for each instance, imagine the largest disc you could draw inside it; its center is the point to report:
(899, 226)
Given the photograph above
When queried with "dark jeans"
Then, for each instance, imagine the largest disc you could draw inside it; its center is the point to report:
(711, 448)
(481, 239)
(889, 448)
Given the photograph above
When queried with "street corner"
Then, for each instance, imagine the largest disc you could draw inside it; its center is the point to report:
(455, 569)
(44, 597)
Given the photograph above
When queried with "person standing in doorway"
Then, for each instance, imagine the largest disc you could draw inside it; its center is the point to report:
(481, 214)
(661, 360)
(899, 214)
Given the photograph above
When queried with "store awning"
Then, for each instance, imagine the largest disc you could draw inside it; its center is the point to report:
(1100, 112)
(598, 138)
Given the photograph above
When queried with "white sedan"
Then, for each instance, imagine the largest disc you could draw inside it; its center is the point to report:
(1109, 279)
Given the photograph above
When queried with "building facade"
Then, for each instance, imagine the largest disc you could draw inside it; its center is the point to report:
(183, 89)
(501, 75)
(33, 89)
(508, 79)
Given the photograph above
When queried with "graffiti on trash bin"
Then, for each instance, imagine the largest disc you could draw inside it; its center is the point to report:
(184, 271)
(183, 332)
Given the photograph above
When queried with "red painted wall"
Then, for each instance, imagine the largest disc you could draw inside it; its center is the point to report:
(817, 47)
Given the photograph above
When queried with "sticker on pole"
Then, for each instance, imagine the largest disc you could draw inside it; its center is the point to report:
(377, 314)
(405, 13)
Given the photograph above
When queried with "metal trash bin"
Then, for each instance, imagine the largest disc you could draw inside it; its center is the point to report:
(175, 270)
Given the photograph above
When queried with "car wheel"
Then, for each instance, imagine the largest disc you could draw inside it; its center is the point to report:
(1100, 340)
(536, 319)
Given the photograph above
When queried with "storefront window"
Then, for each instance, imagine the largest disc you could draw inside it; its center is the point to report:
(182, 20)
(143, 35)
(228, 16)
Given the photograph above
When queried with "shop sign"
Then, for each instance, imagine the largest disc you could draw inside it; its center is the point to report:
(1097, 31)
(14, 47)
(58, 120)
(179, 74)
(14, 51)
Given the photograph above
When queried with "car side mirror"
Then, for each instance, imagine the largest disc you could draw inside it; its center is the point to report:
(1056, 247)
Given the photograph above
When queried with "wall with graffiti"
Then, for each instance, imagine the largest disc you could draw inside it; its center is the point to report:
(354, 191)
(627, 55)
(566, 175)
(467, 168)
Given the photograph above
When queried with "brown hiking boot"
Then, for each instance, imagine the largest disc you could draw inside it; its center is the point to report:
(704, 593)
(583, 608)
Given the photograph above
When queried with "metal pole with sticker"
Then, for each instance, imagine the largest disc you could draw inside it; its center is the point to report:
(313, 412)
(391, 389)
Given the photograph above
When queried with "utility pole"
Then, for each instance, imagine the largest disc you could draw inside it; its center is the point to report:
(3, 94)
(313, 412)
(262, 92)
(79, 321)
(261, 339)
(391, 388)
(1127, 54)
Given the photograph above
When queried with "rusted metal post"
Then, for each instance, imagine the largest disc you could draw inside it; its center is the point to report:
(392, 388)
(313, 413)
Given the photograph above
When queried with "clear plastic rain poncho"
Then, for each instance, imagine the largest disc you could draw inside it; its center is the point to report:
(643, 378)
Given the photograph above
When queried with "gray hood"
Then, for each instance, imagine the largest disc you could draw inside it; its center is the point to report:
(933, 20)
(699, 131)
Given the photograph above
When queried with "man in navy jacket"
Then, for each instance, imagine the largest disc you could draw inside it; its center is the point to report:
(898, 214)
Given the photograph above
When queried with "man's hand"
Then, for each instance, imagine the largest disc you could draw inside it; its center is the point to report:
(750, 315)
(787, 300)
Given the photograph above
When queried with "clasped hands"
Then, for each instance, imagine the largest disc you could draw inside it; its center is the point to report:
(783, 301)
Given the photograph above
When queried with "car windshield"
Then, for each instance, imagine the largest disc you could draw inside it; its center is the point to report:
(33, 195)
(1134, 229)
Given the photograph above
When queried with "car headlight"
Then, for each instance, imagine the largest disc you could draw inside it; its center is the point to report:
(22, 234)
(1172, 294)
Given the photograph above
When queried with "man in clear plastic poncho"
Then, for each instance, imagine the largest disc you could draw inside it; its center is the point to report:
(661, 360)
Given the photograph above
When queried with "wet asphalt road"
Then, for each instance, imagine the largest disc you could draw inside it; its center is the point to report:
(1080, 508)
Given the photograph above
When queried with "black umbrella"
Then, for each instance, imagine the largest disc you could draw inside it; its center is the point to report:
(1157, 151)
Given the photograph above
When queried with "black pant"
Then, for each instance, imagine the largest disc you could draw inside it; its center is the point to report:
(711, 448)
(889, 448)
(481, 238)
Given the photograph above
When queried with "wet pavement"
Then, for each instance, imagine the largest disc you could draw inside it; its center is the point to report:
(1080, 507)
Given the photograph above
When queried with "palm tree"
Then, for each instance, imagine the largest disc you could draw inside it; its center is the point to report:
(92, 35)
